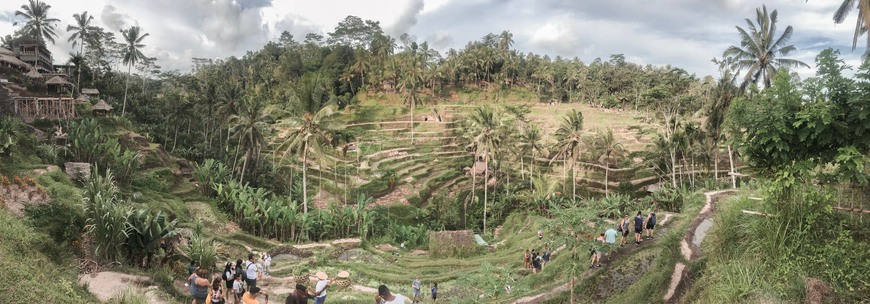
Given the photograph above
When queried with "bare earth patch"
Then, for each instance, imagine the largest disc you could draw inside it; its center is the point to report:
(107, 284)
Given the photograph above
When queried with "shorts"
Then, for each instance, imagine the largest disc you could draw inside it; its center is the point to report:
(229, 285)
(320, 300)
(624, 233)
(638, 229)
(650, 226)
(251, 283)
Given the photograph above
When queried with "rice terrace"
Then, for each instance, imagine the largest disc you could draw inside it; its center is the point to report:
(434, 151)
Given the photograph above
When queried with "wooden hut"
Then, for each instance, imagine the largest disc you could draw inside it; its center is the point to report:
(102, 108)
(33, 74)
(12, 62)
(59, 83)
(5, 51)
(83, 98)
(90, 92)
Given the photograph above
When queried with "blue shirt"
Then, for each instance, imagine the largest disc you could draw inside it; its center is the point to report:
(610, 236)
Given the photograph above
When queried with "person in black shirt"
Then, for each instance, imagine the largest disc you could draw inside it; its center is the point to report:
(650, 224)
(638, 228)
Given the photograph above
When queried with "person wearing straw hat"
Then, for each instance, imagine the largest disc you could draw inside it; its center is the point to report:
(320, 289)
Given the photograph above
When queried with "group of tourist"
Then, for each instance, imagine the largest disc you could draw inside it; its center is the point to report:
(605, 243)
(535, 260)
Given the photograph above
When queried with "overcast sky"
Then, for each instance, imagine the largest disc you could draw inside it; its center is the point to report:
(683, 33)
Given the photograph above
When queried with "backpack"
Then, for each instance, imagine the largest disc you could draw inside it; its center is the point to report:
(224, 276)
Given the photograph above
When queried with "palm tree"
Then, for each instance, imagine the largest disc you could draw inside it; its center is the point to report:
(863, 7)
(487, 126)
(80, 31)
(132, 54)
(249, 126)
(569, 139)
(760, 49)
(605, 147)
(38, 24)
(311, 133)
(530, 142)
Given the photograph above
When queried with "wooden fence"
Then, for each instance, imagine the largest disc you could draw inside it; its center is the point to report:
(32, 108)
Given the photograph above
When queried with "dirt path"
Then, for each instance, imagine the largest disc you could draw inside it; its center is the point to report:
(690, 246)
(628, 249)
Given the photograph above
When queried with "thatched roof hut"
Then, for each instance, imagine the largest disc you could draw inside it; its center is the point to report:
(90, 91)
(12, 61)
(83, 98)
(57, 80)
(102, 108)
(33, 74)
(8, 52)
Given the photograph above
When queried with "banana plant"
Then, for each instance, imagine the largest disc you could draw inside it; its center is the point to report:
(145, 231)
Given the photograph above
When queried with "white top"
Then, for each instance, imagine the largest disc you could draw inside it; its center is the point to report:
(237, 287)
(250, 271)
(399, 299)
(321, 285)
(268, 260)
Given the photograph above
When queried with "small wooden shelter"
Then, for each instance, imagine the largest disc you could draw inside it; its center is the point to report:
(33, 74)
(90, 92)
(13, 62)
(101, 108)
(62, 85)
(83, 98)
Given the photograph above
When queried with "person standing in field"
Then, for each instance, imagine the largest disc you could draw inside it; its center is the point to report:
(596, 251)
(415, 288)
(650, 224)
(267, 263)
(638, 228)
(435, 292)
(527, 260)
(228, 277)
(323, 282)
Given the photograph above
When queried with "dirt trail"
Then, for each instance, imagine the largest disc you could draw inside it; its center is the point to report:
(628, 249)
(690, 245)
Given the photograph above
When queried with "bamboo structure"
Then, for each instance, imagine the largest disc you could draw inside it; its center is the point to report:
(33, 108)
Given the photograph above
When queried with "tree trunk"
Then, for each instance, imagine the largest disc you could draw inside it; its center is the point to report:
(412, 120)
(244, 166)
(126, 86)
(485, 189)
(674, 168)
(305, 178)
(573, 182)
(532, 170)
(731, 161)
(522, 169)
(473, 185)
(79, 67)
(606, 179)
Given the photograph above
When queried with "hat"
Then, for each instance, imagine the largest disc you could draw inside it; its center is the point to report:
(321, 275)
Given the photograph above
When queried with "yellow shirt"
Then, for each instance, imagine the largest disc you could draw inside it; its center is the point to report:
(248, 299)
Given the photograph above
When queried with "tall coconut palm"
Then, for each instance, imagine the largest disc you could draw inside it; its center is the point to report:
(311, 133)
(249, 126)
(530, 142)
(569, 145)
(80, 31)
(132, 55)
(487, 131)
(760, 50)
(606, 149)
(39, 26)
(863, 7)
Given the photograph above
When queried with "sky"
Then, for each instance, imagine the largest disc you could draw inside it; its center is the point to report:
(682, 33)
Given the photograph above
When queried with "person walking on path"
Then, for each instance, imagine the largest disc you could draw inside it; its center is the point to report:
(198, 284)
(624, 227)
(536, 262)
(610, 239)
(217, 292)
(545, 256)
(323, 282)
(527, 260)
(251, 271)
(228, 276)
(267, 263)
(299, 296)
(596, 251)
(415, 288)
(650, 224)
(251, 296)
(435, 292)
(386, 297)
(638, 228)
(238, 290)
